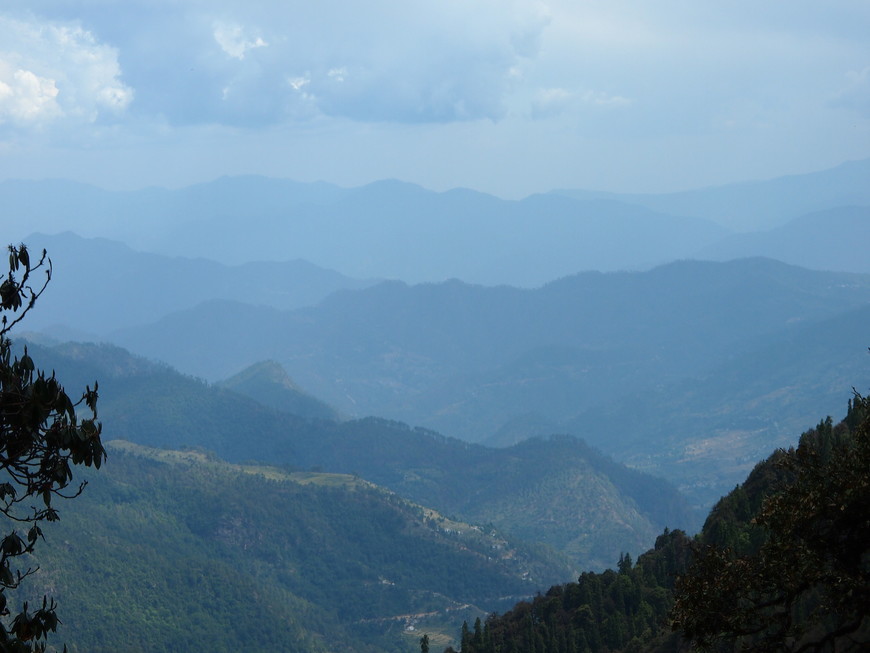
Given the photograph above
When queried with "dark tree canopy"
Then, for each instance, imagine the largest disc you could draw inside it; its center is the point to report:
(781, 565)
(41, 438)
(806, 587)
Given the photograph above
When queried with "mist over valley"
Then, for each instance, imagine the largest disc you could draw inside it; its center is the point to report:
(464, 327)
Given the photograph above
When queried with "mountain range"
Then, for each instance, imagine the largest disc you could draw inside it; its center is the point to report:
(554, 490)
(648, 350)
(395, 230)
(757, 205)
(467, 360)
(100, 285)
(436, 448)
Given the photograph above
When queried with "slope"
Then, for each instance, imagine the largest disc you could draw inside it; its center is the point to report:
(780, 565)
(171, 551)
(465, 360)
(269, 384)
(600, 505)
(706, 432)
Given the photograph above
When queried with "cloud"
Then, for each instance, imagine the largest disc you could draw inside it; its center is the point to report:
(549, 102)
(260, 64)
(234, 41)
(26, 98)
(432, 63)
(56, 71)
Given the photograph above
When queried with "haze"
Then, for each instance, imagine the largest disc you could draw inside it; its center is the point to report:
(509, 98)
(402, 312)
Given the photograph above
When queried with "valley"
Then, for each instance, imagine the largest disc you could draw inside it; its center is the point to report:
(348, 459)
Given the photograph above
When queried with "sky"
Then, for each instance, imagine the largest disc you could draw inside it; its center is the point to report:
(509, 97)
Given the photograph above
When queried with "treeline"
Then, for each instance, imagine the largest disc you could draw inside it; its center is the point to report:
(617, 610)
(781, 564)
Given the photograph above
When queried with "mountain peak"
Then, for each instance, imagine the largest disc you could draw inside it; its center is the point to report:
(269, 383)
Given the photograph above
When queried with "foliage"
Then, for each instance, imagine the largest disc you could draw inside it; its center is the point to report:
(781, 564)
(40, 438)
(806, 585)
(185, 552)
(610, 611)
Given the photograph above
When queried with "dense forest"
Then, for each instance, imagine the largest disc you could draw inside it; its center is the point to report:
(170, 551)
(781, 564)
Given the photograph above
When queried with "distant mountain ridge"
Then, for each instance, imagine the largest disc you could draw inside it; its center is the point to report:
(383, 230)
(758, 205)
(823, 240)
(601, 504)
(99, 285)
(465, 360)
(396, 230)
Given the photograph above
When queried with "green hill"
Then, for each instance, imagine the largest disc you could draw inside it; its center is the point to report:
(176, 551)
(781, 564)
(553, 490)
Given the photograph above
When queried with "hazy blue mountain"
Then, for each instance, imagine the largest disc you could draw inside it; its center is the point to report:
(100, 285)
(758, 205)
(835, 239)
(269, 384)
(554, 490)
(391, 229)
(522, 427)
(386, 229)
(466, 360)
(393, 348)
(702, 432)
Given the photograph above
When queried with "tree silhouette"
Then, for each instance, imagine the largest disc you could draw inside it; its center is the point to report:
(41, 437)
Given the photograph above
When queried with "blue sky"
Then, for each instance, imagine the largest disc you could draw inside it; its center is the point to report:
(504, 96)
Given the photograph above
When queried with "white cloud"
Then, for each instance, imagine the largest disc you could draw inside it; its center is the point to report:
(337, 74)
(602, 99)
(26, 98)
(298, 83)
(379, 61)
(51, 71)
(235, 41)
(549, 102)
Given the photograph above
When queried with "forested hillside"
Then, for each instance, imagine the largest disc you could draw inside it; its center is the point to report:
(172, 551)
(781, 564)
(555, 490)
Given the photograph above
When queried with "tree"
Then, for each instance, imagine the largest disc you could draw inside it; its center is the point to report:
(807, 586)
(41, 437)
